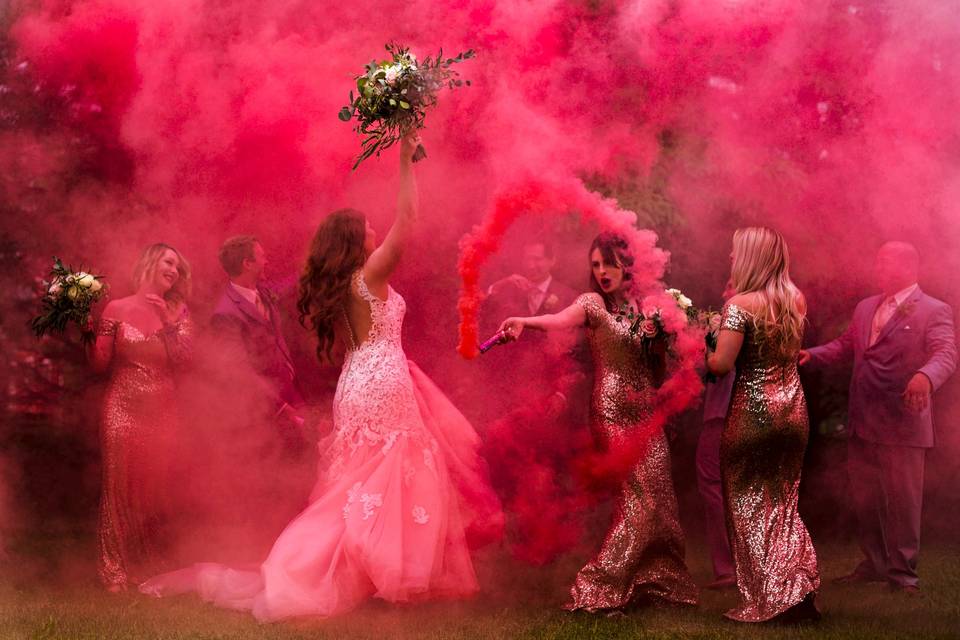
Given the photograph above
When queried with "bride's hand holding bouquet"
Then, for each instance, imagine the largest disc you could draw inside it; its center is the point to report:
(393, 96)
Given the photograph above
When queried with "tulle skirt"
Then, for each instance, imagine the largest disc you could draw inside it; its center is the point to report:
(396, 521)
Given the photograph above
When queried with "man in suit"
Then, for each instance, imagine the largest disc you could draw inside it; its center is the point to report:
(530, 292)
(246, 325)
(533, 386)
(903, 349)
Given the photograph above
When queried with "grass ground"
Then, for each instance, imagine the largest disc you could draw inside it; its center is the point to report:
(524, 606)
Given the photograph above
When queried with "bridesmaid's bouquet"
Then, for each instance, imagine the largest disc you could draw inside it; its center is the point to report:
(710, 321)
(69, 297)
(393, 96)
(650, 325)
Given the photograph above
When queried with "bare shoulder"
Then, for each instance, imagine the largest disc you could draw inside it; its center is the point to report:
(118, 308)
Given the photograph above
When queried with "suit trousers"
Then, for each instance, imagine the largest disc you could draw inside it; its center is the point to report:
(711, 491)
(886, 483)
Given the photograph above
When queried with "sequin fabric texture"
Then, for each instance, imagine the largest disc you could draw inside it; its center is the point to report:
(761, 455)
(138, 419)
(641, 557)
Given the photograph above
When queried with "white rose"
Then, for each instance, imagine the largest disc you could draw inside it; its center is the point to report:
(96, 286)
(55, 287)
(73, 292)
(391, 74)
(681, 299)
(85, 280)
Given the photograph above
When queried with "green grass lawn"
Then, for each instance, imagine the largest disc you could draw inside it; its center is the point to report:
(524, 605)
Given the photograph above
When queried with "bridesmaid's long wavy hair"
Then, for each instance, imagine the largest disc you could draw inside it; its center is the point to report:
(761, 264)
(616, 250)
(336, 252)
(146, 268)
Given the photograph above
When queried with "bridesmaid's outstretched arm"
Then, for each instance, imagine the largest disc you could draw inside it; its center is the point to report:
(569, 318)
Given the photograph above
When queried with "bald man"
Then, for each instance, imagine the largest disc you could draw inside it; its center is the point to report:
(903, 349)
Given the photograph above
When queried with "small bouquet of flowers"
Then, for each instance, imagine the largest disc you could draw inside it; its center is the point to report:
(393, 96)
(710, 321)
(69, 297)
(650, 325)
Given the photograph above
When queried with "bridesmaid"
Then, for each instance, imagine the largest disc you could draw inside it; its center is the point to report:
(641, 558)
(141, 339)
(765, 434)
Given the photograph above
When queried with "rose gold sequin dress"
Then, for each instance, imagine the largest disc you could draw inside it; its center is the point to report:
(641, 557)
(138, 418)
(761, 455)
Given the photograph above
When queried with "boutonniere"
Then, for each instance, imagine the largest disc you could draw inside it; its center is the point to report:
(551, 302)
(269, 295)
(906, 308)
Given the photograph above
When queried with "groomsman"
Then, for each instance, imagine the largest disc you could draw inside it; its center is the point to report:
(532, 291)
(903, 349)
(521, 369)
(246, 324)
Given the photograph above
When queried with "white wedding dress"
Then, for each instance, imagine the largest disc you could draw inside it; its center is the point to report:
(402, 491)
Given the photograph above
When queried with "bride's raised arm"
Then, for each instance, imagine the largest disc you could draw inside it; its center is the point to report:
(384, 259)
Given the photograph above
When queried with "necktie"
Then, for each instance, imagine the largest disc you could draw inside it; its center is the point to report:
(882, 317)
(262, 307)
(535, 299)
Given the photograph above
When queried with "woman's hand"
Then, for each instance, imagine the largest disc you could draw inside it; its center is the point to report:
(408, 146)
(512, 328)
(163, 310)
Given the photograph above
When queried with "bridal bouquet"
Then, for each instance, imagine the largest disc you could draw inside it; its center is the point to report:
(393, 96)
(69, 297)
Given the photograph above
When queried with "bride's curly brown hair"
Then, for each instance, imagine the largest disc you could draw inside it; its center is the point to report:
(336, 252)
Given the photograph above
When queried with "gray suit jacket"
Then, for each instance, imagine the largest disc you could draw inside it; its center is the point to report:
(918, 338)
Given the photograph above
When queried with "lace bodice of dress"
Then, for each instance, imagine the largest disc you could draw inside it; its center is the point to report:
(375, 403)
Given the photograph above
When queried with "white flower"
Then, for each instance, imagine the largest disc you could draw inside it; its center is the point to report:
(392, 72)
(85, 280)
(682, 300)
(420, 515)
(72, 292)
(96, 286)
(55, 287)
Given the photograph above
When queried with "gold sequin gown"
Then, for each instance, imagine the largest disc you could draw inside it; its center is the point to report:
(139, 418)
(641, 558)
(761, 455)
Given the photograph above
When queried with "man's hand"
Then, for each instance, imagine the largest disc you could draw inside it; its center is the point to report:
(516, 280)
(291, 414)
(917, 394)
(804, 357)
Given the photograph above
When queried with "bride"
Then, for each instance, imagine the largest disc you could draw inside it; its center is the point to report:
(403, 494)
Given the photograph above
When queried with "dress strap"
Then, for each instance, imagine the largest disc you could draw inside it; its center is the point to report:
(362, 290)
(108, 327)
(735, 318)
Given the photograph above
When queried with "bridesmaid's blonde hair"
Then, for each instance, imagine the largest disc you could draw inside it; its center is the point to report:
(147, 266)
(761, 265)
